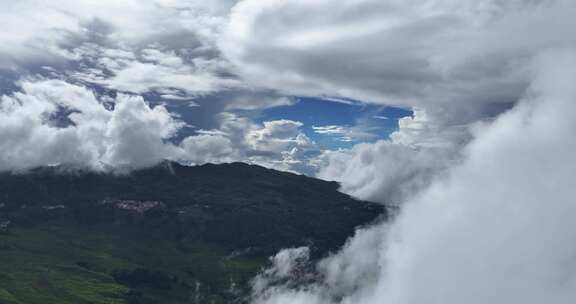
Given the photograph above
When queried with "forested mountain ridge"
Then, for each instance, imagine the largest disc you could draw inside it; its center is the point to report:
(166, 234)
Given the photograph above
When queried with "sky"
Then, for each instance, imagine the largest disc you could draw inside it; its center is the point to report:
(339, 124)
(460, 112)
(169, 56)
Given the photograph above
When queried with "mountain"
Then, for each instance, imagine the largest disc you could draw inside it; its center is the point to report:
(166, 234)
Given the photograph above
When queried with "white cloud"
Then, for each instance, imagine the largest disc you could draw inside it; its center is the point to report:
(509, 206)
(276, 136)
(284, 265)
(117, 44)
(130, 21)
(138, 77)
(393, 170)
(136, 133)
(131, 134)
(357, 133)
(424, 132)
(382, 171)
(151, 69)
(330, 130)
(342, 133)
(281, 145)
(209, 148)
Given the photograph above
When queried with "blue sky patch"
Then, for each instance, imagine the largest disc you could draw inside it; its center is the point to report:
(337, 124)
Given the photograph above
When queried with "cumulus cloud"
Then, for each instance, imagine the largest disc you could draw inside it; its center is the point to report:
(209, 148)
(278, 144)
(293, 150)
(421, 131)
(382, 171)
(276, 135)
(391, 171)
(130, 133)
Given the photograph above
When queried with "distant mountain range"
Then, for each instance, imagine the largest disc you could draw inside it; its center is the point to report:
(166, 234)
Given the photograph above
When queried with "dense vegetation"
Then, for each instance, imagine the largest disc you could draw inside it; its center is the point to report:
(167, 234)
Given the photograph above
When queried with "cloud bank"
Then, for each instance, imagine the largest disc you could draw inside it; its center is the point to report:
(499, 228)
(53, 122)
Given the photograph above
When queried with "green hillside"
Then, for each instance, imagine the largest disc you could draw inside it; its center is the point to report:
(168, 234)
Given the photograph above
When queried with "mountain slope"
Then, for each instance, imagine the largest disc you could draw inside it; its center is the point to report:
(167, 234)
